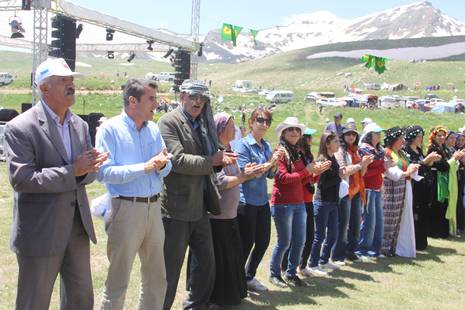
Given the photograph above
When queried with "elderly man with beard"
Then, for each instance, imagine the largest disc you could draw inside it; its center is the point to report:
(50, 160)
(190, 193)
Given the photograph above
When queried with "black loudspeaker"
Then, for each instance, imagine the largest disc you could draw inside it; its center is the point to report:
(25, 106)
(7, 115)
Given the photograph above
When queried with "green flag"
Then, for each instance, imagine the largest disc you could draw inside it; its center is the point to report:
(375, 62)
(230, 32)
(380, 65)
(254, 32)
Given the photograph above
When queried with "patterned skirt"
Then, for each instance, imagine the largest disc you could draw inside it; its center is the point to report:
(393, 198)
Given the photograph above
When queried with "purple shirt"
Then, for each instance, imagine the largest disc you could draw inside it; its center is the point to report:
(63, 130)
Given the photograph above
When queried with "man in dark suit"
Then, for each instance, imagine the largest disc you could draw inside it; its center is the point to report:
(190, 192)
(50, 160)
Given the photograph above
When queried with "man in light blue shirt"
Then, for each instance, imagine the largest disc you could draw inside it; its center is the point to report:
(133, 175)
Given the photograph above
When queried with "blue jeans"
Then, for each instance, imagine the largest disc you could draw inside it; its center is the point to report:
(291, 222)
(326, 217)
(372, 230)
(349, 212)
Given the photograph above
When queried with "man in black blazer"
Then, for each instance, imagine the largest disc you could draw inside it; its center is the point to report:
(190, 193)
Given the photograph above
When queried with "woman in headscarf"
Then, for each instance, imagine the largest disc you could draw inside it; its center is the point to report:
(230, 284)
(422, 193)
(396, 204)
(439, 225)
(460, 145)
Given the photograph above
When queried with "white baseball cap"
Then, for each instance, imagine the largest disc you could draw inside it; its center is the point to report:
(53, 67)
(350, 120)
(366, 120)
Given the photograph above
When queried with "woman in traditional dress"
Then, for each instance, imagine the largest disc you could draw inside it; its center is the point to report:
(394, 198)
(439, 225)
(422, 193)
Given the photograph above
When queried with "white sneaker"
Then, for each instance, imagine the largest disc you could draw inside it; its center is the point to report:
(316, 271)
(255, 286)
(339, 263)
(366, 259)
(305, 272)
(329, 266)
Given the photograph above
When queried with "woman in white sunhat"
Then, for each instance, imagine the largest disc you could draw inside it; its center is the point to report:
(288, 203)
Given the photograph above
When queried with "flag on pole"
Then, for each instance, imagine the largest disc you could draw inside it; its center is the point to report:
(230, 32)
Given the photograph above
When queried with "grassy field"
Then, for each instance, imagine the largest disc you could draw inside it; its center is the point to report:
(432, 281)
(290, 70)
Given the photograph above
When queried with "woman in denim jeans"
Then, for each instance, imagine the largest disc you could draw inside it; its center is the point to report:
(372, 228)
(350, 207)
(325, 204)
(288, 207)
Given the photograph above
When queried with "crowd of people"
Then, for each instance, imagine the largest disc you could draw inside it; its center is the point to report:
(188, 184)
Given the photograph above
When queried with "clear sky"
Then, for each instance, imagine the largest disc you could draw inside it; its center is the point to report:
(175, 15)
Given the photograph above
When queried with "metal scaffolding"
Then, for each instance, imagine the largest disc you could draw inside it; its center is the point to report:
(39, 45)
(195, 30)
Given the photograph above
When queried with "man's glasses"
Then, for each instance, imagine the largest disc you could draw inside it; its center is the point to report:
(196, 97)
(261, 120)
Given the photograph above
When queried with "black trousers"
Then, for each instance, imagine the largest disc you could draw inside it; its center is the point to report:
(197, 235)
(308, 241)
(255, 230)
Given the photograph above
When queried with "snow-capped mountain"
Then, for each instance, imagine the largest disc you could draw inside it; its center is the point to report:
(415, 20)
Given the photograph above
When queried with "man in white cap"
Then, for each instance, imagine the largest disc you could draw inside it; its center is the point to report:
(50, 160)
(366, 121)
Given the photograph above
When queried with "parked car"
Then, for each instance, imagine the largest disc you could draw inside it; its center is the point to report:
(280, 96)
(5, 78)
(331, 102)
(314, 96)
(161, 76)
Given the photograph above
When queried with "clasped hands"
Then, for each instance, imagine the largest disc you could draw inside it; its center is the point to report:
(89, 161)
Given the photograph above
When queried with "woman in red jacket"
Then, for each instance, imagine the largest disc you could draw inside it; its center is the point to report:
(288, 207)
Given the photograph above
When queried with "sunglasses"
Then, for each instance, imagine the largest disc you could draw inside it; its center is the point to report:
(294, 129)
(196, 97)
(261, 120)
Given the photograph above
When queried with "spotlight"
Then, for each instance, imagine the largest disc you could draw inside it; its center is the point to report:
(131, 56)
(79, 29)
(16, 27)
(200, 51)
(111, 55)
(110, 33)
(150, 42)
(168, 53)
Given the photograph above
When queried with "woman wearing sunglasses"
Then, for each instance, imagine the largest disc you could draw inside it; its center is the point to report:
(288, 203)
(254, 210)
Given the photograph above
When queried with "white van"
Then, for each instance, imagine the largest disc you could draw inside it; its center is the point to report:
(280, 96)
(5, 78)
